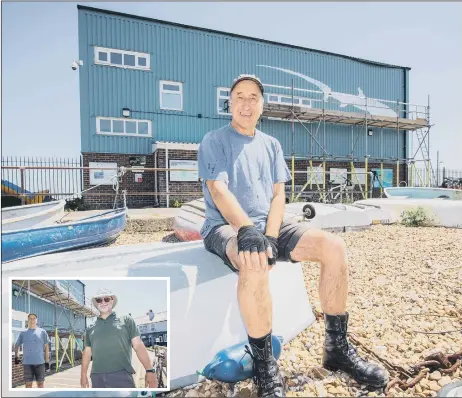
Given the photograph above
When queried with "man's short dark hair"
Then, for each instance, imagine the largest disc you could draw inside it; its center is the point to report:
(28, 316)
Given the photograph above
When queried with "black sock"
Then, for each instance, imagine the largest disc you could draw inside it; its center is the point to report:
(262, 347)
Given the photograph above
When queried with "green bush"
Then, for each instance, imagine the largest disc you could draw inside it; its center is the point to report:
(176, 203)
(416, 218)
(75, 204)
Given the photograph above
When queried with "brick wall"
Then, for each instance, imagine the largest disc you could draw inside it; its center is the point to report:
(145, 189)
(141, 194)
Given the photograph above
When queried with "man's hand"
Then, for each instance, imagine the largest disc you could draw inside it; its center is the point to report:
(47, 366)
(84, 381)
(253, 248)
(274, 247)
(16, 361)
(151, 380)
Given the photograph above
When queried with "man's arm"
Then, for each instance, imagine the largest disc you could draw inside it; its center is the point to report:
(228, 205)
(47, 353)
(141, 352)
(145, 359)
(276, 213)
(86, 357)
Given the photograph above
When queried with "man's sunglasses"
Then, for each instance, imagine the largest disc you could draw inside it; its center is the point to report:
(106, 300)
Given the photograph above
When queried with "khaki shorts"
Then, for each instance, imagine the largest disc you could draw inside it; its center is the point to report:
(289, 235)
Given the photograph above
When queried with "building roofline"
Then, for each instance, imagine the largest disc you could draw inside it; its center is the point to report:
(121, 14)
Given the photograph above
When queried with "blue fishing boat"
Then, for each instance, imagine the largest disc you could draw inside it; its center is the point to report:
(97, 230)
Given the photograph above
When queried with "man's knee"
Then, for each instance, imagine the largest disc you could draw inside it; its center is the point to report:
(333, 246)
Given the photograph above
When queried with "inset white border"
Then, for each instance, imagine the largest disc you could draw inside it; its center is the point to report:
(10, 317)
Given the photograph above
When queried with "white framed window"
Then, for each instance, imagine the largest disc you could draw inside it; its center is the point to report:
(171, 95)
(122, 58)
(223, 100)
(123, 127)
(287, 99)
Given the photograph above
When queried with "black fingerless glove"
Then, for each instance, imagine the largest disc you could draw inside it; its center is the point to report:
(47, 366)
(249, 238)
(17, 361)
(274, 246)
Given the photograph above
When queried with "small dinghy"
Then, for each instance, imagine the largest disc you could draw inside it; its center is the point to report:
(31, 216)
(91, 231)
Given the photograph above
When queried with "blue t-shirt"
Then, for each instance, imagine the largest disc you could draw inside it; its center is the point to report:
(248, 165)
(33, 342)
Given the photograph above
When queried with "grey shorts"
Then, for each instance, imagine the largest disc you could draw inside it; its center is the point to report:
(289, 235)
(32, 372)
(119, 379)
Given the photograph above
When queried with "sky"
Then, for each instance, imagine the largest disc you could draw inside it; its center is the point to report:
(40, 92)
(134, 296)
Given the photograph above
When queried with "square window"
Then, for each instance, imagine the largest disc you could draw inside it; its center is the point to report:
(130, 127)
(306, 102)
(129, 60)
(102, 56)
(17, 324)
(273, 98)
(141, 61)
(143, 128)
(117, 126)
(105, 126)
(224, 93)
(116, 58)
(171, 101)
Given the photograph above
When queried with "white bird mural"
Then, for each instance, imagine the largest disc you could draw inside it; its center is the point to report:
(360, 101)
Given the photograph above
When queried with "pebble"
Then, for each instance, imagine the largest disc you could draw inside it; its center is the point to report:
(435, 376)
(444, 380)
(392, 274)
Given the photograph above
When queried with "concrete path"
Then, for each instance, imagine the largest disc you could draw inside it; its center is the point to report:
(70, 378)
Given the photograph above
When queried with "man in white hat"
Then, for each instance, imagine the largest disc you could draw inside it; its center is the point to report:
(243, 172)
(109, 343)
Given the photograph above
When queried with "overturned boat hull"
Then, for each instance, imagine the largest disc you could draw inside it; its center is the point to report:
(203, 296)
(329, 217)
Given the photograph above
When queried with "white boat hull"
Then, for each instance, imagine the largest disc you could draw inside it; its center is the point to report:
(446, 213)
(203, 300)
(32, 216)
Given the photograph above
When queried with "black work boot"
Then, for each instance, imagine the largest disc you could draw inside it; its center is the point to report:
(340, 354)
(266, 375)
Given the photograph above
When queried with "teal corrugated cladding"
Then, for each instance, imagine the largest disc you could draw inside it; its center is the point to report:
(46, 310)
(203, 61)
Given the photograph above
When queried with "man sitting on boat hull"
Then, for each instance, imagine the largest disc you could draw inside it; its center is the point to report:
(243, 172)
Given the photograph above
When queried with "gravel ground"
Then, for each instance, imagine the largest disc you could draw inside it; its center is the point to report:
(405, 288)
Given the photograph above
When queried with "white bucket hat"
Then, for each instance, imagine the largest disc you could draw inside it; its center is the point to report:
(104, 293)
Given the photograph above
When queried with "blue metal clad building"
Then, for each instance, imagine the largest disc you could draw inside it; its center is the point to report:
(50, 316)
(148, 65)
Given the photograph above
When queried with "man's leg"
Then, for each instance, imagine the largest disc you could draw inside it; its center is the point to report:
(255, 306)
(330, 251)
(28, 376)
(39, 371)
(253, 294)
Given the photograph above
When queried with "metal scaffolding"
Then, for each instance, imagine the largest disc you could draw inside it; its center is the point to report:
(60, 294)
(314, 109)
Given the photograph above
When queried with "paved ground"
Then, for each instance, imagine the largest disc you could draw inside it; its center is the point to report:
(134, 214)
(70, 378)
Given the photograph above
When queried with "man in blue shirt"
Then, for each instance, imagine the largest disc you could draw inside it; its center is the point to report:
(36, 353)
(243, 172)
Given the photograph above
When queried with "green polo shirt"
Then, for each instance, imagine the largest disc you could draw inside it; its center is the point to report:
(110, 341)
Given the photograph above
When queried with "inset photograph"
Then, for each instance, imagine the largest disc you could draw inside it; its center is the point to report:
(93, 333)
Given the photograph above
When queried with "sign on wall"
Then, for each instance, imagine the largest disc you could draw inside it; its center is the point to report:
(102, 177)
(337, 176)
(183, 175)
(387, 178)
(315, 175)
